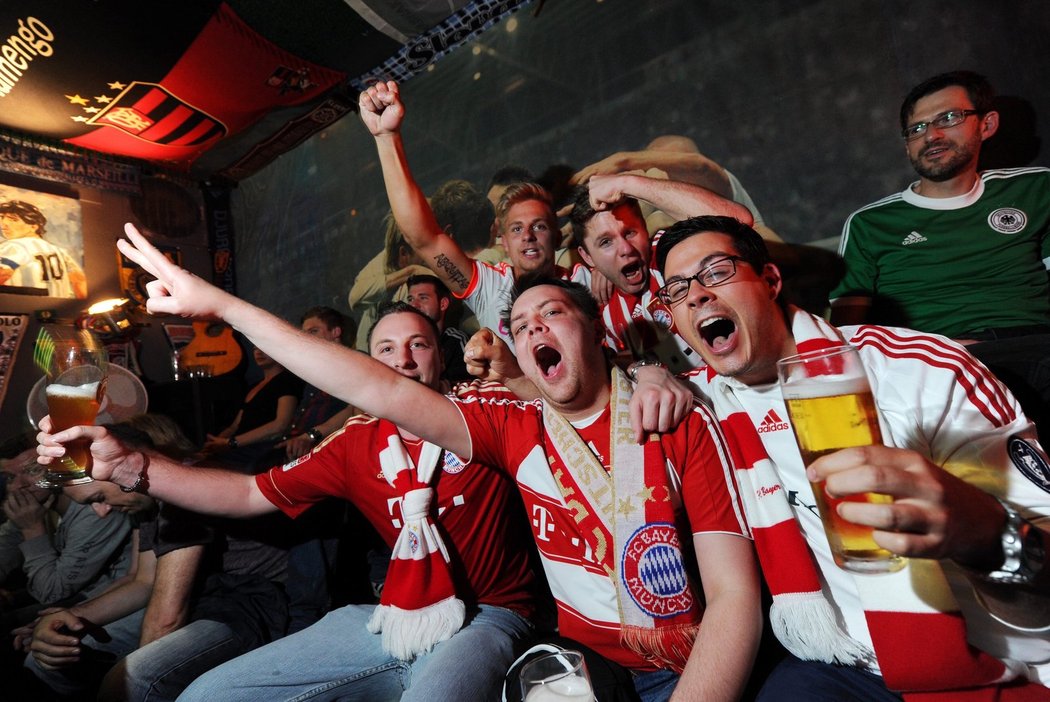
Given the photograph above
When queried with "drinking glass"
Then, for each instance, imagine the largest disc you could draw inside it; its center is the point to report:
(556, 677)
(831, 407)
(76, 384)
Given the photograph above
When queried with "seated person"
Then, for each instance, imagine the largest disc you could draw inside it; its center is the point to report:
(52, 550)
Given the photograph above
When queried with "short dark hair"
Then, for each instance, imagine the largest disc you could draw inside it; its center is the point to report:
(581, 297)
(977, 87)
(331, 317)
(27, 212)
(466, 212)
(509, 175)
(748, 243)
(582, 212)
(400, 307)
(440, 289)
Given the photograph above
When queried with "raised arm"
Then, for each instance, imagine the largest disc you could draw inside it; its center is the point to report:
(688, 167)
(382, 112)
(349, 375)
(677, 199)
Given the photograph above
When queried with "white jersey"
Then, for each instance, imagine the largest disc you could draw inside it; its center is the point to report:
(936, 399)
(488, 294)
(38, 264)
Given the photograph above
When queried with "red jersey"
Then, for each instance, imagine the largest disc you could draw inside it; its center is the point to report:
(477, 509)
(511, 434)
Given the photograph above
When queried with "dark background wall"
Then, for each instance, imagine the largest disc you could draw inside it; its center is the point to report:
(798, 98)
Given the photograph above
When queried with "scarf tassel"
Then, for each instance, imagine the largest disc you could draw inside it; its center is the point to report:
(667, 646)
(408, 633)
(805, 625)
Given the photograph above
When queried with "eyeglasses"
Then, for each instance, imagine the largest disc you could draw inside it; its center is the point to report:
(717, 273)
(945, 120)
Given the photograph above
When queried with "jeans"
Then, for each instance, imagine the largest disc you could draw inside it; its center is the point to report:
(338, 659)
(655, 685)
(163, 668)
(98, 655)
(796, 680)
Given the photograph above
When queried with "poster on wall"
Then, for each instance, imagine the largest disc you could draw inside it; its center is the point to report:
(12, 329)
(42, 245)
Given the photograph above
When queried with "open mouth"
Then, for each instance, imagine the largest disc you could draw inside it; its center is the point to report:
(547, 360)
(633, 273)
(717, 331)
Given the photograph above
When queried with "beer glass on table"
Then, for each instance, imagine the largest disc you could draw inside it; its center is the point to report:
(831, 407)
(76, 384)
(556, 677)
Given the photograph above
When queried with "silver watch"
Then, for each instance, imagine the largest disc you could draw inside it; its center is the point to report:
(632, 370)
(1024, 553)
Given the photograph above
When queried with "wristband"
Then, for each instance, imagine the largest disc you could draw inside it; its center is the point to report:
(632, 370)
(315, 436)
(140, 480)
(232, 442)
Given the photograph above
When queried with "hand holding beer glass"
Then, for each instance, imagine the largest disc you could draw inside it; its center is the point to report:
(556, 677)
(831, 407)
(76, 384)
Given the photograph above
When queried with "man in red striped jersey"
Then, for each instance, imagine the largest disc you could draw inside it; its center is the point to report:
(969, 615)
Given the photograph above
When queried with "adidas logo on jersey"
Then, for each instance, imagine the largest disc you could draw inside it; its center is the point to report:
(771, 422)
(913, 238)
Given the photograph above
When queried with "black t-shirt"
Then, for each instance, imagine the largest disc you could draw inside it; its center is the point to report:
(263, 407)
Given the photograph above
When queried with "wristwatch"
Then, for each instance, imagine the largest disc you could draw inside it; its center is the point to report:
(632, 370)
(232, 442)
(1024, 553)
(315, 436)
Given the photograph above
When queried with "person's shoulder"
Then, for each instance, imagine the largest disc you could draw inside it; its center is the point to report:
(1035, 176)
(890, 200)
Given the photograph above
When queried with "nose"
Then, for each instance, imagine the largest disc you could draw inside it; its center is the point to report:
(623, 247)
(404, 358)
(697, 293)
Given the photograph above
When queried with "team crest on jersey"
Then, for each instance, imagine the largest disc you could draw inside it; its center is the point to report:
(1029, 461)
(662, 317)
(653, 571)
(302, 459)
(1007, 220)
(413, 541)
(453, 464)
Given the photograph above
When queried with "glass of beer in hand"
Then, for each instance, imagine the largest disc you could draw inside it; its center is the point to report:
(831, 407)
(76, 384)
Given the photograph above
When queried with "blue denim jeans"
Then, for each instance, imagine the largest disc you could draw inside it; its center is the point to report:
(163, 668)
(655, 685)
(98, 655)
(794, 680)
(338, 659)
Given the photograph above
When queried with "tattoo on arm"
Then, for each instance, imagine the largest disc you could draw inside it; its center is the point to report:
(454, 274)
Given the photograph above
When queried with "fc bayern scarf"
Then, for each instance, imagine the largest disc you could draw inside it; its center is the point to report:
(917, 630)
(418, 607)
(629, 521)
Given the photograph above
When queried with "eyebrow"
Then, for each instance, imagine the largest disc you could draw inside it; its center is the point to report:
(704, 263)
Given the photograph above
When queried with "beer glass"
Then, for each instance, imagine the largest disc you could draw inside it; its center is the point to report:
(76, 384)
(556, 677)
(831, 407)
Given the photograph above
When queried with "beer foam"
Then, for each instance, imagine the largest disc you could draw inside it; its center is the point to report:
(86, 391)
(824, 386)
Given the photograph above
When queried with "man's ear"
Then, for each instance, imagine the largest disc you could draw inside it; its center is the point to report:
(989, 125)
(443, 303)
(585, 256)
(775, 282)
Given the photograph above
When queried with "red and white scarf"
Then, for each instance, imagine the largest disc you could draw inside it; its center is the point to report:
(418, 607)
(917, 630)
(627, 517)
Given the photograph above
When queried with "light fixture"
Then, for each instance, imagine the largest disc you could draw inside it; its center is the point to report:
(108, 318)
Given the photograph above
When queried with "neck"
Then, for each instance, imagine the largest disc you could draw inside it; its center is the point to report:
(953, 187)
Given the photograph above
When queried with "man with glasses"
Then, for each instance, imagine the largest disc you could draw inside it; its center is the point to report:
(968, 616)
(960, 252)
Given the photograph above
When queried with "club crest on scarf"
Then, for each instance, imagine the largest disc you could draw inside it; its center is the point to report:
(653, 571)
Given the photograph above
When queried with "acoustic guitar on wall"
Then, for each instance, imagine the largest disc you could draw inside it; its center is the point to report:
(213, 349)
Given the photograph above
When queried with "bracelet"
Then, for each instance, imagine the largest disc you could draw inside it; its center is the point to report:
(632, 370)
(315, 436)
(232, 442)
(140, 480)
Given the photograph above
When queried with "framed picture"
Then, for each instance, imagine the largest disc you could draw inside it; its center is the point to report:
(12, 329)
(42, 245)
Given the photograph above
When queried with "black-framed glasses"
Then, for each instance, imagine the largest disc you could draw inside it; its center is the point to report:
(710, 276)
(945, 120)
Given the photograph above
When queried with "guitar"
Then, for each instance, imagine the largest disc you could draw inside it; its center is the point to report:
(214, 347)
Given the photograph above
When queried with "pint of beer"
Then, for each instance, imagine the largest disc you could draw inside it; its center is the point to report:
(831, 407)
(76, 386)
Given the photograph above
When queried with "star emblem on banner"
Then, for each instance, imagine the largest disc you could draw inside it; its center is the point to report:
(76, 100)
(103, 99)
(91, 110)
(626, 507)
(115, 85)
(646, 494)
